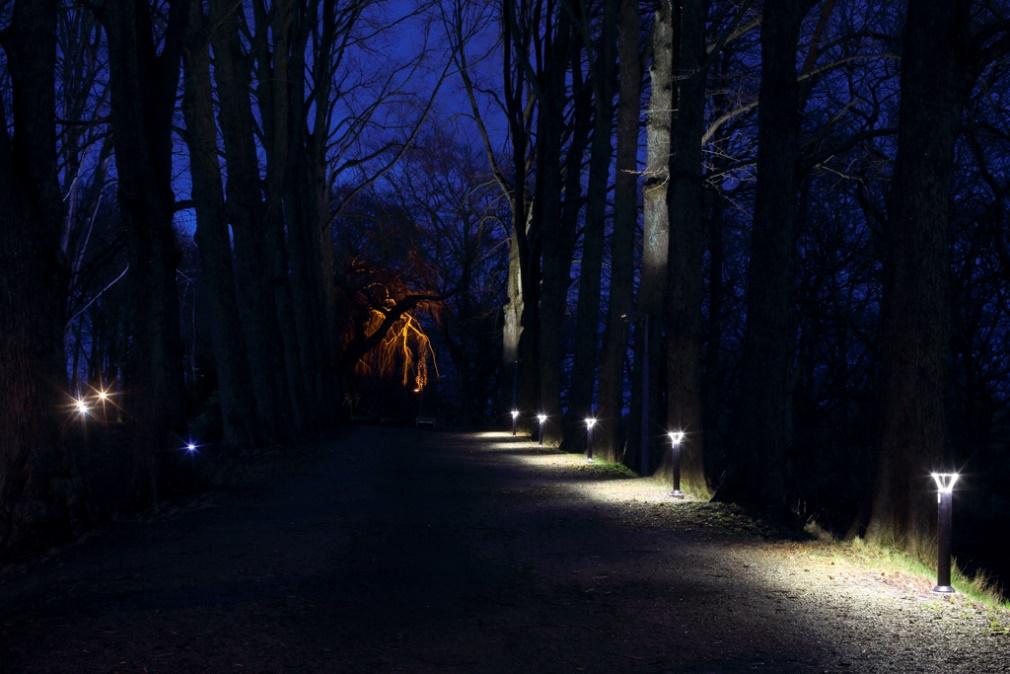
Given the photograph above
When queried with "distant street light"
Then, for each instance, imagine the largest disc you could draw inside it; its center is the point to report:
(676, 437)
(542, 418)
(945, 506)
(191, 447)
(82, 407)
(590, 422)
(515, 417)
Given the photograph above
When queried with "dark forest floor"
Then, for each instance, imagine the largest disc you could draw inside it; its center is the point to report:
(396, 550)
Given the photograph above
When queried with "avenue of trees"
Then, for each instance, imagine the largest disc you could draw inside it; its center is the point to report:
(780, 227)
(815, 288)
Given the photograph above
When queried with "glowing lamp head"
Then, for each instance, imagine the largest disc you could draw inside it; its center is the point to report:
(945, 481)
(191, 446)
(82, 407)
(676, 437)
(590, 422)
(541, 418)
(515, 414)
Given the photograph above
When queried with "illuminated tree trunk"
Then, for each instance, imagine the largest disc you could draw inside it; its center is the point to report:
(513, 313)
(37, 484)
(915, 320)
(655, 237)
(144, 84)
(525, 302)
(588, 313)
(213, 240)
(687, 236)
(622, 244)
(521, 329)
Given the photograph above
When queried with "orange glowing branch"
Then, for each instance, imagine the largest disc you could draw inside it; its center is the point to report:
(405, 348)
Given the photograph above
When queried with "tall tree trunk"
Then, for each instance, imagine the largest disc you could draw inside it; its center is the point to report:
(37, 492)
(512, 316)
(318, 168)
(580, 128)
(213, 240)
(588, 313)
(714, 405)
(915, 320)
(521, 337)
(273, 67)
(548, 218)
(258, 312)
(304, 228)
(712, 383)
(144, 85)
(764, 409)
(622, 243)
(687, 237)
(655, 237)
(529, 337)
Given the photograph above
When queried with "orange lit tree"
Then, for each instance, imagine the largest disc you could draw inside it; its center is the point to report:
(387, 336)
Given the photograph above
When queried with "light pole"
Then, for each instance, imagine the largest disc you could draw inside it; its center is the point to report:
(542, 418)
(515, 417)
(676, 437)
(944, 517)
(590, 422)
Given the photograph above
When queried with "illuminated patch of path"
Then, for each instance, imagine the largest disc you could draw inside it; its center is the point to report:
(921, 630)
(405, 551)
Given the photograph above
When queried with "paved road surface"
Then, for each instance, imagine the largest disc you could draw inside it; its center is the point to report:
(403, 551)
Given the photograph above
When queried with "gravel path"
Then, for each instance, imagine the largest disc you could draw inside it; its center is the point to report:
(402, 551)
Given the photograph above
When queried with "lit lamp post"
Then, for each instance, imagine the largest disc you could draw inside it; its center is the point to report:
(542, 418)
(590, 422)
(944, 506)
(676, 437)
(515, 417)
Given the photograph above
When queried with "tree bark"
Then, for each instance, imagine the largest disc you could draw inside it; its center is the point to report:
(656, 233)
(144, 85)
(38, 490)
(302, 199)
(257, 304)
(915, 321)
(687, 237)
(273, 67)
(764, 409)
(578, 130)
(712, 405)
(213, 240)
(522, 311)
(622, 243)
(548, 216)
(587, 316)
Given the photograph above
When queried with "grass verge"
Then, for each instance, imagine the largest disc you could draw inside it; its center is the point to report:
(978, 588)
